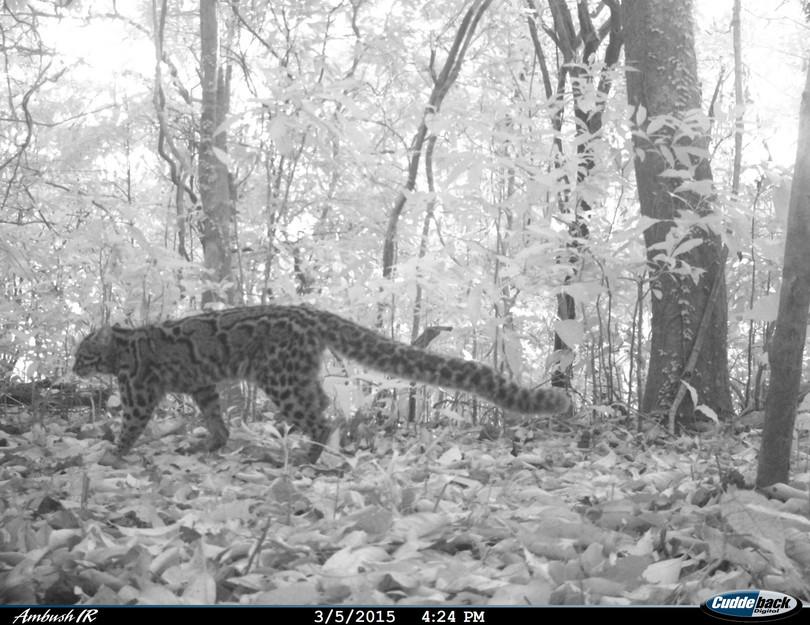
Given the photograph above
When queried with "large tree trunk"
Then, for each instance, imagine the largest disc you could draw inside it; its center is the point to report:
(214, 179)
(662, 81)
(786, 351)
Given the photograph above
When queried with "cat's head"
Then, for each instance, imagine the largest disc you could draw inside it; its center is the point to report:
(95, 353)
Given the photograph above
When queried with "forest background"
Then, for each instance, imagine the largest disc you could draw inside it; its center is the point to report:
(408, 165)
(599, 195)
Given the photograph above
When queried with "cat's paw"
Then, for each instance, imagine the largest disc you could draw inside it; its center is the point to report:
(112, 458)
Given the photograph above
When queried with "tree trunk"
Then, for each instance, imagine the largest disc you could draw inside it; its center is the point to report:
(577, 48)
(787, 347)
(214, 179)
(662, 81)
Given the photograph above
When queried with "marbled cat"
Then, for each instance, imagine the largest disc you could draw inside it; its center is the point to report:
(280, 348)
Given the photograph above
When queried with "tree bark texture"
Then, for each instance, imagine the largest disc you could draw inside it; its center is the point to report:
(787, 347)
(662, 81)
(214, 179)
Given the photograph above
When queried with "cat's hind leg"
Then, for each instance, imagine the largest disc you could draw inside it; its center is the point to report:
(207, 398)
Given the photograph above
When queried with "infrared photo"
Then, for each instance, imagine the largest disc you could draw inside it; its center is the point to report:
(404, 311)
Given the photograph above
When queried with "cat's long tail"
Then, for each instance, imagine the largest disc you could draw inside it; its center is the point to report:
(412, 363)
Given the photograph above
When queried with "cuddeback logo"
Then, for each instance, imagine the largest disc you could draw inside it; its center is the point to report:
(751, 605)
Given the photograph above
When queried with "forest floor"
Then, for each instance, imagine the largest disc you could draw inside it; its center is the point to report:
(437, 517)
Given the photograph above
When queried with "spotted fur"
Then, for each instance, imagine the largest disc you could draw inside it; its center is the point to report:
(279, 348)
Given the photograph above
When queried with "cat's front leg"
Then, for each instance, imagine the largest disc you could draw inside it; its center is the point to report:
(138, 404)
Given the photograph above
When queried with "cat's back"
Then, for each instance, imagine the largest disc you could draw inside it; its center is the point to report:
(235, 333)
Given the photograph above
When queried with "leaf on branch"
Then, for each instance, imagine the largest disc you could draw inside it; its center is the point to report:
(570, 331)
(709, 413)
(585, 291)
(676, 173)
(692, 392)
(686, 246)
(227, 124)
(700, 187)
(669, 157)
(657, 124)
(223, 157)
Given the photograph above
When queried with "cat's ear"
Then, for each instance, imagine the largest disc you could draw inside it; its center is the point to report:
(103, 335)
